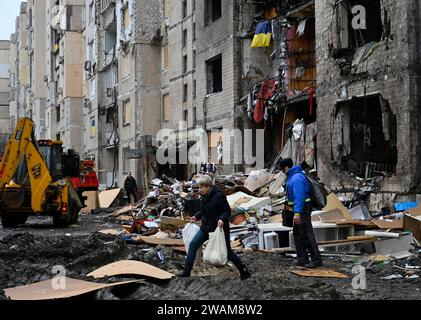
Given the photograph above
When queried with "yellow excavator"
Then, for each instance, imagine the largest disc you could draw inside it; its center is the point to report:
(35, 179)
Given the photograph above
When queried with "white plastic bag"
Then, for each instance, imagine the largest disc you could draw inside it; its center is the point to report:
(189, 231)
(216, 251)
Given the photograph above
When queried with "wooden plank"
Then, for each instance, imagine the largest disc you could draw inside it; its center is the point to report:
(320, 273)
(179, 249)
(349, 239)
(130, 267)
(45, 290)
(160, 241)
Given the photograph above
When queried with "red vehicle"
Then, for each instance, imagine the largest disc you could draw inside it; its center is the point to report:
(88, 179)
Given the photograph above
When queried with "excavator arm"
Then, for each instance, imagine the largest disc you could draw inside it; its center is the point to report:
(23, 144)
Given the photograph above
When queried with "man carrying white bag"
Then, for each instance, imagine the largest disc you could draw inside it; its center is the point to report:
(215, 213)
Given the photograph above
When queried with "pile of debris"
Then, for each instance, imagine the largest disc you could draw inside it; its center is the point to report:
(343, 227)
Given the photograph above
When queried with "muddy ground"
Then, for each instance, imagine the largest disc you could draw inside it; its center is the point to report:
(28, 254)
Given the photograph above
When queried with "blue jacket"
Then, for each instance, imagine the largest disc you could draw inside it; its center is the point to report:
(298, 189)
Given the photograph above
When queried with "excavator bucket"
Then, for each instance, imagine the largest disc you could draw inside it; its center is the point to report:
(13, 200)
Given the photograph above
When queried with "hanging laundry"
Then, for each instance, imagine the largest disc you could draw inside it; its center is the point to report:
(263, 34)
(301, 27)
(266, 92)
(271, 14)
(311, 99)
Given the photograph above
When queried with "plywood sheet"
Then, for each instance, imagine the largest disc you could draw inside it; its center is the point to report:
(131, 267)
(320, 273)
(114, 232)
(386, 224)
(106, 198)
(45, 290)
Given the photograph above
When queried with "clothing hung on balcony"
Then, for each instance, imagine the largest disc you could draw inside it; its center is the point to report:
(263, 34)
(266, 92)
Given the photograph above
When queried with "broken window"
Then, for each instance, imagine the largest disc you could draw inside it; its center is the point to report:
(111, 37)
(126, 161)
(127, 111)
(194, 89)
(58, 116)
(93, 127)
(166, 108)
(126, 66)
(367, 130)
(185, 63)
(194, 59)
(126, 17)
(185, 92)
(185, 115)
(214, 74)
(166, 9)
(358, 22)
(184, 4)
(184, 38)
(213, 11)
(165, 62)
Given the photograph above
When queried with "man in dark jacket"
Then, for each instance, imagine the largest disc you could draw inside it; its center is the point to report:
(214, 212)
(130, 186)
(299, 204)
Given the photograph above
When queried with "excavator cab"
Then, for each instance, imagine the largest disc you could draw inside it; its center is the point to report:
(59, 164)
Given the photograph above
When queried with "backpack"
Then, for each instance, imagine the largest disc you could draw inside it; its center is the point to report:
(318, 193)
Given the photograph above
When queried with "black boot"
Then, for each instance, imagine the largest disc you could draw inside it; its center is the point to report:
(244, 273)
(314, 264)
(186, 271)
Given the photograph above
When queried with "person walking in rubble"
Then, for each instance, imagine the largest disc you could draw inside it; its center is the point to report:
(130, 186)
(214, 213)
(299, 210)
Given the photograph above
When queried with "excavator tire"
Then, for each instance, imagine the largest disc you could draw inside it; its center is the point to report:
(72, 216)
(12, 220)
(61, 221)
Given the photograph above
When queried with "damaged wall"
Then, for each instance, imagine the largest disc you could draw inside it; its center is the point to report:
(386, 68)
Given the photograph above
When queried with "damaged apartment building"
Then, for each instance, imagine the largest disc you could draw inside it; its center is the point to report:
(122, 88)
(368, 92)
(357, 75)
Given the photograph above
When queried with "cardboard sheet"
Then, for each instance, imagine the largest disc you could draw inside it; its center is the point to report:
(334, 203)
(168, 222)
(253, 203)
(320, 273)
(130, 267)
(114, 232)
(45, 290)
(106, 198)
(92, 201)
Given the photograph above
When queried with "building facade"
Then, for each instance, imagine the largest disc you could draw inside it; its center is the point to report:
(4, 92)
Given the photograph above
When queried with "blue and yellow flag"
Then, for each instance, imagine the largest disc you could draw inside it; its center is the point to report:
(263, 34)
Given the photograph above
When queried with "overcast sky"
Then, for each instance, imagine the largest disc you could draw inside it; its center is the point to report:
(9, 10)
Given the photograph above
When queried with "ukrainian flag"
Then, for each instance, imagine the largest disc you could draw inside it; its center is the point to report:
(263, 34)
